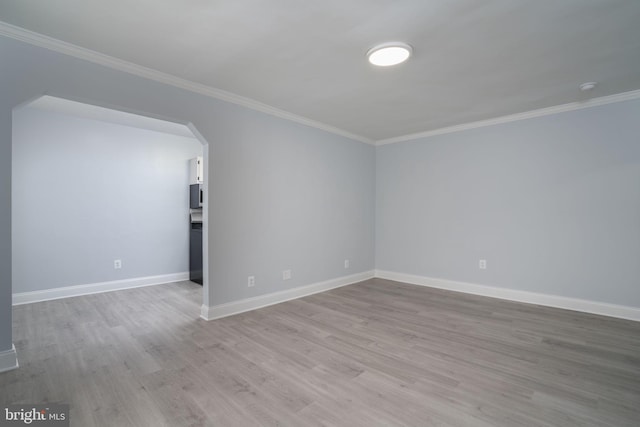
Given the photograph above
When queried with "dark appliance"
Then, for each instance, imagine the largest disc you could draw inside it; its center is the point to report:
(195, 252)
(196, 200)
(196, 196)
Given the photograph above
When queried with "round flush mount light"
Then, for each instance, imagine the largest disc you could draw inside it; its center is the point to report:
(391, 53)
(586, 87)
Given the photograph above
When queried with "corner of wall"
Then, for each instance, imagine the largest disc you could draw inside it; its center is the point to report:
(9, 359)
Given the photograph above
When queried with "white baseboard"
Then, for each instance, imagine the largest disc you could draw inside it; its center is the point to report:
(8, 359)
(248, 304)
(595, 307)
(95, 288)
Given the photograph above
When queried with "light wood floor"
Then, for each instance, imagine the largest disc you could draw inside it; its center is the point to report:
(377, 353)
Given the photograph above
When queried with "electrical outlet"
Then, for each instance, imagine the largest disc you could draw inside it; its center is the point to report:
(117, 264)
(286, 274)
(346, 263)
(251, 281)
(482, 264)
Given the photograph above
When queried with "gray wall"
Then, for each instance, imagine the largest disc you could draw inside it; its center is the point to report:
(283, 195)
(87, 192)
(552, 204)
(290, 197)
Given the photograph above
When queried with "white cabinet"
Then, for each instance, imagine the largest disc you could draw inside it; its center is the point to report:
(196, 171)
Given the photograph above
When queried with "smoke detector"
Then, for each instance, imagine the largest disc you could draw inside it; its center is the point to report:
(586, 87)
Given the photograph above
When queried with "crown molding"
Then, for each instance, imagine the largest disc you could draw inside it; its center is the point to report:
(593, 102)
(40, 40)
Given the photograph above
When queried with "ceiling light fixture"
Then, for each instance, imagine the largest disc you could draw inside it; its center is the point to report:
(391, 53)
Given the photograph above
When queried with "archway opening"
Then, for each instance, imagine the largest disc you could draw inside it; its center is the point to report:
(97, 194)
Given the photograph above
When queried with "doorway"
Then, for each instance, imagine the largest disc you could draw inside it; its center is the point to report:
(92, 202)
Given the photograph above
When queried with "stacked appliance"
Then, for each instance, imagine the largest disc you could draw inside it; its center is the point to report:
(196, 202)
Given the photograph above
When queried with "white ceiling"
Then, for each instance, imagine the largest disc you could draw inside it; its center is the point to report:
(473, 59)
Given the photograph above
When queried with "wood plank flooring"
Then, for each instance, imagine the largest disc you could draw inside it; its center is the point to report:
(377, 353)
